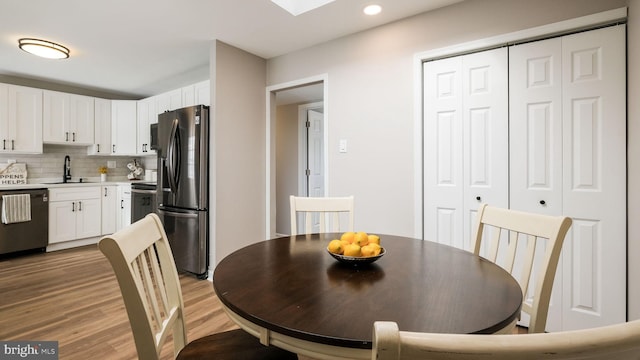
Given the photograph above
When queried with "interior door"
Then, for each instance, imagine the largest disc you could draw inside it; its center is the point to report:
(443, 181)
(466, 142)
(594, 191)
(535, 133)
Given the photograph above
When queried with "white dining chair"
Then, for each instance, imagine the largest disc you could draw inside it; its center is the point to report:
(514, 229)
(143, 264)
(318, 208)
(619, 342)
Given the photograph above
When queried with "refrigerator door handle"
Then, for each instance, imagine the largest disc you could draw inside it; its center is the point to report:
(172, 158)
(177, 214)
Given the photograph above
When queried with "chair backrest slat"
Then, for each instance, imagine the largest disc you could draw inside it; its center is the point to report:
(322, 206)
(515, 227)
(143, 264)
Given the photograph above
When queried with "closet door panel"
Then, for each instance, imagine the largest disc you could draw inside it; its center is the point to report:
(535, 126)
(485, 134)
(443, 151)
(594, 195)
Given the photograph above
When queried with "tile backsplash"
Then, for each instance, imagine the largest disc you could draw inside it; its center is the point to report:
(48, 166)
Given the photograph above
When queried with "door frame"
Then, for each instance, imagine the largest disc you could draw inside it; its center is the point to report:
(270, 143)
(540, 32)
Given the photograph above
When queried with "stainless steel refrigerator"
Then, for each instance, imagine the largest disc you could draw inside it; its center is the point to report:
(183, 185)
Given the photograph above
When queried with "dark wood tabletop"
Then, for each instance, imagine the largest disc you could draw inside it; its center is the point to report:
(292, 286)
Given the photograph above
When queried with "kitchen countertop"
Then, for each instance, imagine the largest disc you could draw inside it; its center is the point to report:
(47, 185)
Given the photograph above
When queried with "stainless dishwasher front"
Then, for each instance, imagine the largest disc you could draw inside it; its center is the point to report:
(27, 235)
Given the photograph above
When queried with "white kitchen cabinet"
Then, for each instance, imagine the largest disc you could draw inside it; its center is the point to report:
(123, 127)
(147, 115)
(74, 213)
(67, 118)
(123, 217)
(196, 94)
(102, 129)
(20, 119)
(109, 202)
(168, 101)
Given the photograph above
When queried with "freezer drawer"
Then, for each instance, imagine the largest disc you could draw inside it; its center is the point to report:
(188, 235)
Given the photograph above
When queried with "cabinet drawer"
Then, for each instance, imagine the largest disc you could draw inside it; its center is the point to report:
(74, 193)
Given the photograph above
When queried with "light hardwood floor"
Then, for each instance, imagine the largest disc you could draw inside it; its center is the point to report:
(72, 297)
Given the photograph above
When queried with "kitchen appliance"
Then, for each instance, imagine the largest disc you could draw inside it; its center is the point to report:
(143, 200)
(26, 235)
(183, 185)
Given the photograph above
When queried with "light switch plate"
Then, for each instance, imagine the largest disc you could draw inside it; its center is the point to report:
(111, 164)
(343, 145)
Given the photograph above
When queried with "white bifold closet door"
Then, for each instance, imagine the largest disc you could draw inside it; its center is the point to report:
(465, 142)
(568, 156)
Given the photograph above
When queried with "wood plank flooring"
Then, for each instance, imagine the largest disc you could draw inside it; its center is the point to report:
(72, 297)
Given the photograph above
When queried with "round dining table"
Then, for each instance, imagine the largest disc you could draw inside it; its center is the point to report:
(291, 293)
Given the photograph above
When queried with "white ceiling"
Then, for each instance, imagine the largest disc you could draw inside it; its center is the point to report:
(144, 47)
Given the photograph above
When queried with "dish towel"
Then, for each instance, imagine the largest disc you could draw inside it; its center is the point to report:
(16, 208)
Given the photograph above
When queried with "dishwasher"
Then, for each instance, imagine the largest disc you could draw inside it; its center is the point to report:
(28, 235)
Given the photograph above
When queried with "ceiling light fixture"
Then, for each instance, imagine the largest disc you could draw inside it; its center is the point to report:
(43, 48)
(372, 10)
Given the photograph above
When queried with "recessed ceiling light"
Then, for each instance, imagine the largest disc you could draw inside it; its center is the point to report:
(43, 48)
(372, 9)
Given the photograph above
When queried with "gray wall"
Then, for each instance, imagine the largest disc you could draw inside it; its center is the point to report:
(238, 135)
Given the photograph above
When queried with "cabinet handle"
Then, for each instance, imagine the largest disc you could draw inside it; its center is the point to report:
(79, 205)
(66, 136)
(105, 192)
(478, 198)
(121, 204)
(98, 147)
(114, 148)
(74, 136)
(4, 144)
(12, 145)
(542, 202)
(73, 206)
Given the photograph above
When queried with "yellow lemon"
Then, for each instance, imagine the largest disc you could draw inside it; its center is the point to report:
(348, 236)
(344, 243)
(352, 250)
(376, 248)
(361, 238)
(374, 239)
(335, 246)
(368, 250)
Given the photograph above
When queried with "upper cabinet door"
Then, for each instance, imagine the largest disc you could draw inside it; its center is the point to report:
(196, 94)
(24, 121)
(123, 127)
(56, 116)
(168, 101)
(102, 127)
(67, 118)
(82, 119)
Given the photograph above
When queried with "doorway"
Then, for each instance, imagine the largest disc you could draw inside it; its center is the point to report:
(296, 154)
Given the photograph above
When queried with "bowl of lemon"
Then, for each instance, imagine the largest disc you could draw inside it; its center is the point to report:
(356, 248)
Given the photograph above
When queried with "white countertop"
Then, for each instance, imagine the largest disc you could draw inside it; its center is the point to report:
(47, 185)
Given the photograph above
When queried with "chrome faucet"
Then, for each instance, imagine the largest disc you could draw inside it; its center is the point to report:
(66, 169)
